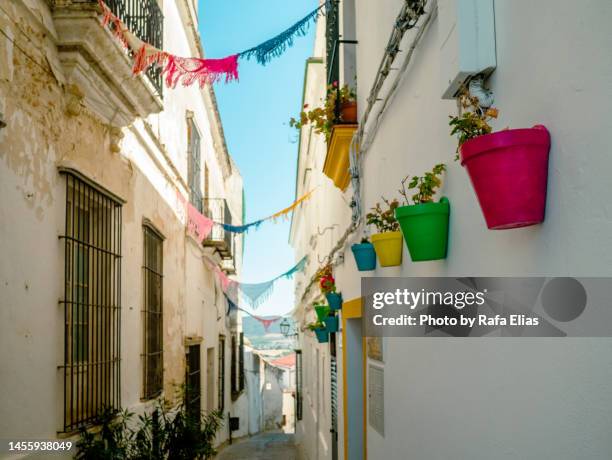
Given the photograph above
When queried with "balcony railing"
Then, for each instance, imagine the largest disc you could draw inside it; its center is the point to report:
(145, 19)
(218, 210)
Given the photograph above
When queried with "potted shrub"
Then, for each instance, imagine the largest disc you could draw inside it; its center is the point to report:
(388, 241)
(322, 311)
(324, 118)
(327, 283)
(365, 256)
(320, 331)
(425, 222)
(331, 323)
(508, 169)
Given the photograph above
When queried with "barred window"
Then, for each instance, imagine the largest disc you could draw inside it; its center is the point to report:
(92, 302)
(195, 169)
(221, 376)
(152, 356)
(193, 396)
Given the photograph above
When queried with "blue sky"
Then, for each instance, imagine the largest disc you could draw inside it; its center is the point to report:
(255, 113)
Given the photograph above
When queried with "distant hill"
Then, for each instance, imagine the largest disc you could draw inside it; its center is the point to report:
(273, 339)
(253, 328)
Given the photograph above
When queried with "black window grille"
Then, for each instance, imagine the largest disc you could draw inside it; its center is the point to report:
(195, 169)
(241, 363)
(298, 384)
(145, 19)
(92, 302)
(193, 392)
(234, 367)
(221, 376)
(152, 356)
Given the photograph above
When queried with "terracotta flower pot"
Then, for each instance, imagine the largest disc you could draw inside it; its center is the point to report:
(348, 112)
(509, 172)
(388, 247)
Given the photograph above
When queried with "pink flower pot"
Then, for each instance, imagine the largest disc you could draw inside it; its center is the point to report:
(509, 172)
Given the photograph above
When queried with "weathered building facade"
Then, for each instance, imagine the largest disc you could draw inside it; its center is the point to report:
(105, 297)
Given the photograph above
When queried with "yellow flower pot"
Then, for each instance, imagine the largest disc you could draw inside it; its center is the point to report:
(388, 247)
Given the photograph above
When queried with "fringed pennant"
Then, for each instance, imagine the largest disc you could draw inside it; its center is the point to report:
(198, 225)
(288, 209)
(256, 294)
(186, 71)
(276, 46)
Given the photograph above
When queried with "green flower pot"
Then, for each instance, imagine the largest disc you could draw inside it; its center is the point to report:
(425, 229)
(322, 311)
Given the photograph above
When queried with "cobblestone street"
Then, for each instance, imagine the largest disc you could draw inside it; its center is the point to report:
(268, 446)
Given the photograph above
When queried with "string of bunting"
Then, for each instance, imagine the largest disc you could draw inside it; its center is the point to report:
(188, 70)
(200, 226)
(251, 293)
(265, 322)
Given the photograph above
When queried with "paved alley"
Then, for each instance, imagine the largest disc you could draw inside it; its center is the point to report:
(268, 446)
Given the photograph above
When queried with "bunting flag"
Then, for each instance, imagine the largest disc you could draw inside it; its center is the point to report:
(188, 70)
(266, 322)
(251, 293)
(200, 226)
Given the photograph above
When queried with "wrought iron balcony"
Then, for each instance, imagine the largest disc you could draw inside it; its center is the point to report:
(219, 238)
(94, 61)
(145, 19)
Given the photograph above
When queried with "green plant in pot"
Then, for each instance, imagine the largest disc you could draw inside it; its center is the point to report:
(320, 330)
(327, 283)
(321, 310)
(388, 241)
(365, 255)
(324, 118)
(424, 223)
(508, 168)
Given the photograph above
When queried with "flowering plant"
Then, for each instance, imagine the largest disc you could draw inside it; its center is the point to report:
(324, 118)
(327, 283)
(384, 219)
(473, 122)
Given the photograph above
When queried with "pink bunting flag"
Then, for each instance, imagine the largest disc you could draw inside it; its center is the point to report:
(198, 224)
(183, 70)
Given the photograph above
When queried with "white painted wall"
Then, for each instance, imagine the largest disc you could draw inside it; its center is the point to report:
(469, 398)
(150, 168)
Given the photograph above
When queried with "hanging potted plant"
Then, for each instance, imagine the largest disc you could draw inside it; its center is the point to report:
(508, 169)
(388, 241)
(327, 283)
(365, 256)
(320, 331)
(321, 311)
(424, 224)
(324, 118)
(331, 323)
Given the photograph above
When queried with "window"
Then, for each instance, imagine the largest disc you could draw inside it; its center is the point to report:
(241, 363)
(298, 384)
(92, 302)
(221, 376)
(152, 338)
(234, 368)
(195, 169)
(193, 399)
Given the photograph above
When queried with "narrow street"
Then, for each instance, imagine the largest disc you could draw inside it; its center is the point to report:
(268, 446)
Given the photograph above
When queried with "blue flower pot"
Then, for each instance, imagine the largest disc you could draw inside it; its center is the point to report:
(334, 299)
(322, 335)
(365, 256)
(331, 324)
